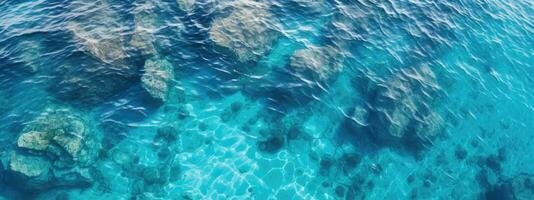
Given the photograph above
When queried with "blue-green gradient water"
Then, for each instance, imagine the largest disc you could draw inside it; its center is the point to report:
(280, 99)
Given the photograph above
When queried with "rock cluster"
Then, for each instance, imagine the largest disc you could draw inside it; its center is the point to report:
(55, 149)
(248, 31)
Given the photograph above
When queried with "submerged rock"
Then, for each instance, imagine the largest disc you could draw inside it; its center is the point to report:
(60, 129)
(158, 78)
(34, 140)
(99, 32)
(186, 5)
(319, 62)
(30, 55)
(101, 69)
(54, 150)
(28, 165)
(143, 38)
(248, 31)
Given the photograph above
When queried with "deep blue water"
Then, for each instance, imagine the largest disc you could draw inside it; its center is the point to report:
(281, 99)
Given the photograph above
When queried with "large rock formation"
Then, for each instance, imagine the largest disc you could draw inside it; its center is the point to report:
(248, 31)
(158, 78)
(319, 62)
(54, 150)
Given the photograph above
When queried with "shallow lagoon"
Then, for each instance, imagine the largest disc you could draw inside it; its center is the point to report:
(282, 99)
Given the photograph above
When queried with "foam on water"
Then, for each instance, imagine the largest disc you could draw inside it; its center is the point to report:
(282, 99)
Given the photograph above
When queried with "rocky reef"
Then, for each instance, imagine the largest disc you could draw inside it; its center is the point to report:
(54, 150)
(248, 31)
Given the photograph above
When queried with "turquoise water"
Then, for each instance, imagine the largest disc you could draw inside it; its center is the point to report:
(282, 99)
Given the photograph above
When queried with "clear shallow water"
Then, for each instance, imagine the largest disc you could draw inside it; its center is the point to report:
(266, 100)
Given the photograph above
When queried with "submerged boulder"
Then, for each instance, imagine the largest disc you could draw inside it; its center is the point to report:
(54, 150)
(34, 140)
(143, 38)
(30, 166)
(319, 62)
(100, 69)
(186, 5)
(99, 33)
(158, 78)
(248, 31)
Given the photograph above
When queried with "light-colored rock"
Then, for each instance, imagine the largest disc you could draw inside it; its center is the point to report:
(30, 166)
(321, 62)
(34, 140)
(157, 78)
(249, 30)
(186, 5)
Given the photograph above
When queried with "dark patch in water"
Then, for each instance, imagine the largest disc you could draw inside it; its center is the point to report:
(271, 145)
(460, 153)
(349, 162)
(340, 191)
(167, 133)
(325, 165)
(500, 192)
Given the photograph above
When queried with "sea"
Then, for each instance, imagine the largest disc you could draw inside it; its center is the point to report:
(266, 99)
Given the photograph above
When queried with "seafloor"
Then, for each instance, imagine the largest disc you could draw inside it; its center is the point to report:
(279, 99)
